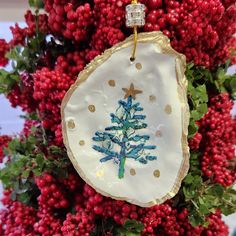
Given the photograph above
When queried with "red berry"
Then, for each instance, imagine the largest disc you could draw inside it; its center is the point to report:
(154, 4)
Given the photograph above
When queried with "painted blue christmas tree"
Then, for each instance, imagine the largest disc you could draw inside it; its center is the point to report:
(120, 141)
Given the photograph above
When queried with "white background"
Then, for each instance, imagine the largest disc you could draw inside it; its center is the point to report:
(12, 10)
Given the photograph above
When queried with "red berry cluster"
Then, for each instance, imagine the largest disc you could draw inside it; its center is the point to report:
(68, 19)
(197, 26)
(105, 37)
(225, 47)
(157, 220)
(30, 20)
(89, 206)
(228, 3)
(165, 220)
(73, 182)
(22, 94)
(71, 63)
(109, 20)
(218, 139)
(207, 26)
(17, 220)
(194, 142)
(81, 223)
(90, 54)
(4, 47)
(217, 227)
(47, 224)
(53, 196)
(110, 13)
(20, 34)
(4, 140)
(49, 90)
(28, 125)
(58, 139)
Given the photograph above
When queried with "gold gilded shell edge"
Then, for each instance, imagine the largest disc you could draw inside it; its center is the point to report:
(163, 42)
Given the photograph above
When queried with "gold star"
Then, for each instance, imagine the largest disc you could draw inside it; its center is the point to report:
(131, 91)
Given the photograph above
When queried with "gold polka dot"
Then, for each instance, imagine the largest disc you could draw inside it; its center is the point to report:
(132, 172)
(100, 173)
(91, 108)
(112, 83)
(168, 109)
(152, 98)
(156, 173)
(158, 133)
(81, 142)
(71, 124)
(138, 66)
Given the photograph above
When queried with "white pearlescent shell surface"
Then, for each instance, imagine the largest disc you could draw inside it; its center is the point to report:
(163, 99)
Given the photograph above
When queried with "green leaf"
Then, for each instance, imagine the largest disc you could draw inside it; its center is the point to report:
(195, 115)
(192, 129)
(36, 3)
(203, 209)
(221, 75)
(197, 181)
(227, 210)
(189, 193)
(31, 140)
(37, 172)
(40, 161)
(134, 225)
(201, 93)
(7, 81)
(132, 234)
(130, 228)
(202, 109)
(196, 219)
(217, 190)
(26, 173)
(230, 84)
(189, 179)
(206, 224)
(201, 201)
(24, 197)
(227, 64)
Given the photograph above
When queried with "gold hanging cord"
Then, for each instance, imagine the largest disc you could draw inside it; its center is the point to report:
(135, 37)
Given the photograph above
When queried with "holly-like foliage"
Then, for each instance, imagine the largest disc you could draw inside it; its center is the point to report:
(29, 157)
(202, 197)
(203, 83)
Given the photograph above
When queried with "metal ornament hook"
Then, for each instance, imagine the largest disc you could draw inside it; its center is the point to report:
(135, 17)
